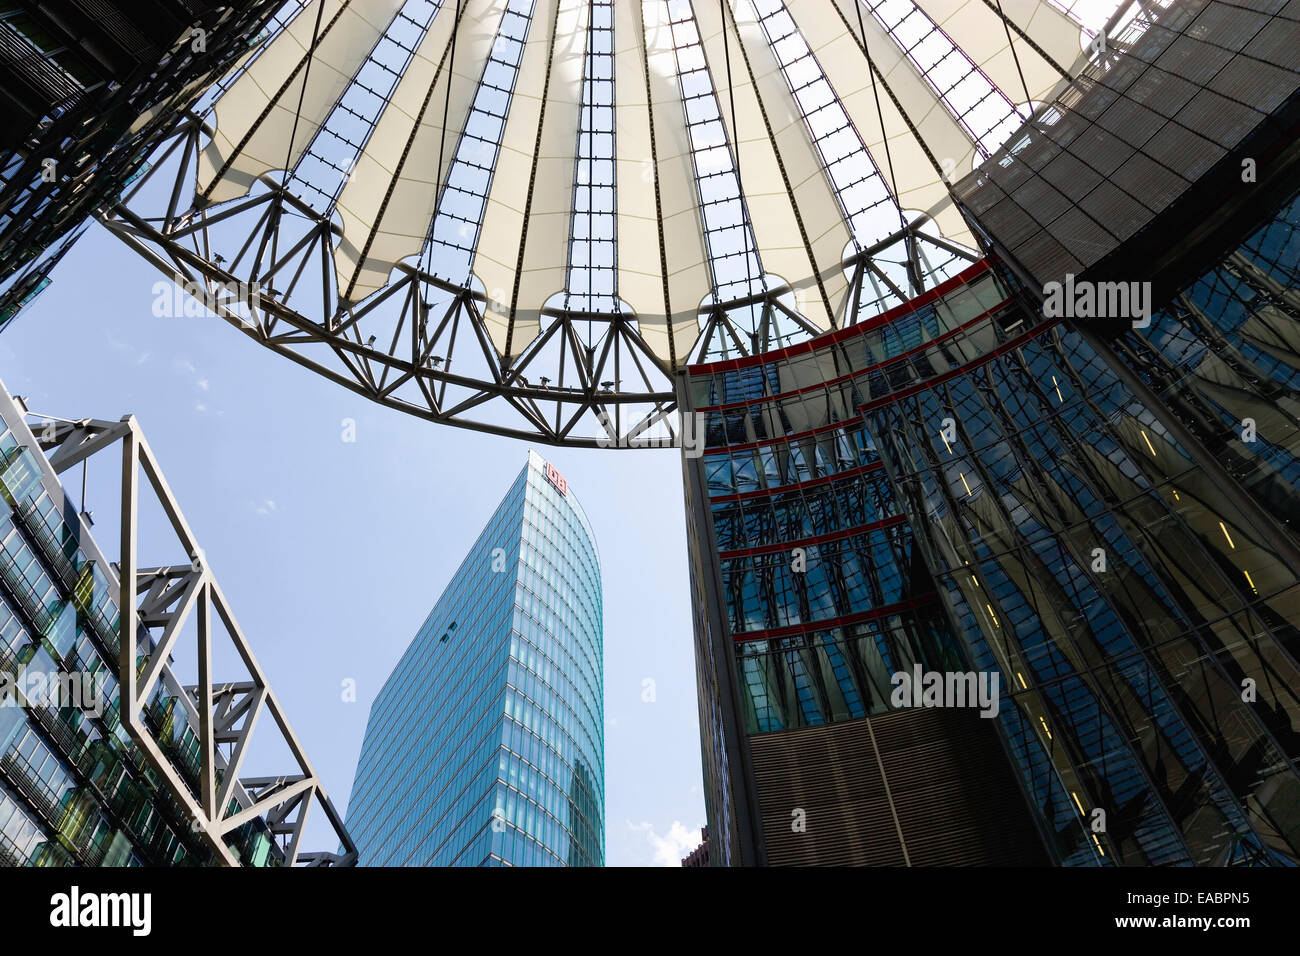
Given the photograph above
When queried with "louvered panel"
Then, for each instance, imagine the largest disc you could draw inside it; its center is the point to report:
(831, 774)
(950, 784)
(957, 801)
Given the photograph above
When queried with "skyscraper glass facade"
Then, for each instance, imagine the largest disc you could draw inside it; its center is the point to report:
(822, 594)
(1083, 553)
(486, 744)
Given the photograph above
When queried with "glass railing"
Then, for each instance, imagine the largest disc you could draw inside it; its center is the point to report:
(17, 472)
(10, 853)
(25, 780)
(128, 801)
(56, 555)
(176, 737)
(79, 824)
(52, 854)
(253, 844)
(9, 661)
(105, 629)
(71, 747)
(42, 617)
(78, 576)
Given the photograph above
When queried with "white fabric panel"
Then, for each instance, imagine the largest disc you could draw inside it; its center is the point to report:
(771, 207)
(831, 29)
(545, 256)
(643, 44)
(640, 274)
(401, 223)
(349, 30)
(502, 234)
(640, 279)
(979, 31)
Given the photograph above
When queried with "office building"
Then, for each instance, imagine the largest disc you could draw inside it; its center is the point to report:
(486, 745)
(104, 768)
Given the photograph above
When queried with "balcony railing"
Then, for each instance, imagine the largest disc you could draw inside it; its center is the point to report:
(68, 573)
(10, 854)
(50, 548)
(53, 725)
(164, 717)
(23, 779)
(9, 661)
(52, 810)
(51, 853)
(41, 617)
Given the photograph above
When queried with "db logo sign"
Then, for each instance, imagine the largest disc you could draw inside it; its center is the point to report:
(556, 479)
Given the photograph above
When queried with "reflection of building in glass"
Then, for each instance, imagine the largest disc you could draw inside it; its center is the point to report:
(486, 744)
(817, 593)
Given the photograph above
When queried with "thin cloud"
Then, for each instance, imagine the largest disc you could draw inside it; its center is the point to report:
(670, 849)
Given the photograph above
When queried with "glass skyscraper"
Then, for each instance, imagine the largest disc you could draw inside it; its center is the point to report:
(486, 745)
(1059, 534)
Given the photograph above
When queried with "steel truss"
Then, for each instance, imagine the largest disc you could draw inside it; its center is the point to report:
(155, 603)
(421, 344)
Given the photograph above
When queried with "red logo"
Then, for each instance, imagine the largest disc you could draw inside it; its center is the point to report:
(557, 479)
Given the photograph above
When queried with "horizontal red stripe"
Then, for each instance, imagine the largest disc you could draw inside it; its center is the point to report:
(866, 370)
(810, 483)
(965, 369)
(776, 633)
(852, 423)
(839, 335)
(819, 539)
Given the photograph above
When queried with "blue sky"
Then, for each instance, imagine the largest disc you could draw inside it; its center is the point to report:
(332, 552)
